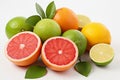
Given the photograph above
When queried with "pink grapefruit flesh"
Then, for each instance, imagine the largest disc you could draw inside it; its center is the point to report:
(59, 53)
(23, 47)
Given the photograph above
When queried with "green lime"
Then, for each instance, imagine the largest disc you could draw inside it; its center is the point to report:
(83, 68)
(102, 54)
(47, 28)
(16, 25)
(83, 20)
(77, 37)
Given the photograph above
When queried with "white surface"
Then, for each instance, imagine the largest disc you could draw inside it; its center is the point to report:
(104, 11)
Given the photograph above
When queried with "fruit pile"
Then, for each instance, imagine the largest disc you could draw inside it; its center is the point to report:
(59, 38)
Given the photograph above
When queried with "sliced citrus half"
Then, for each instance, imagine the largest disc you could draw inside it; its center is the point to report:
(59, 53)
(23, 48)
(102, 54)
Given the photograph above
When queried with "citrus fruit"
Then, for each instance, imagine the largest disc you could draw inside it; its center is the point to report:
(59, 53)
(102, 54)
(96, 33)
(78, 38)
(47, 28)
(66, 18)
(23, 48)
(83, 20)
(16, 25)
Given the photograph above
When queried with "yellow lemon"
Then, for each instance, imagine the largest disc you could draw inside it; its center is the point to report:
(96, 33)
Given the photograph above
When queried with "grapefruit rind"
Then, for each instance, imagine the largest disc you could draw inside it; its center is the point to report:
(102, 54)
(56, 67)
(29, 59)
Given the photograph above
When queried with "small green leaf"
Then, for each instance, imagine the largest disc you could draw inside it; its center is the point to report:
(83, 68)
(50, 10)
(32, 20)
(35, 71)
(40, 11)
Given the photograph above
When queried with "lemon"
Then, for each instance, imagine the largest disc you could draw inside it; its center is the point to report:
(96, 32)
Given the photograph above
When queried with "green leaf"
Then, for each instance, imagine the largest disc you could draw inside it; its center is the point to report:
(35, 71)
(40, 11)
(50, 10)
(32, 20)
(83, 68)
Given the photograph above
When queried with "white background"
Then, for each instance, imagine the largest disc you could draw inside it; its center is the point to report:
(104, 11)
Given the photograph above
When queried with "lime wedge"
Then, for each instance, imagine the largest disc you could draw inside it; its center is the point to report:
(102, 54)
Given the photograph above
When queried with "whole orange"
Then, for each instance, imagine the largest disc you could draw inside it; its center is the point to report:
(66, 18)
(96, 33)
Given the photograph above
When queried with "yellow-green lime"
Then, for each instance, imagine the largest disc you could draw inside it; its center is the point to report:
(16, 25)
(47, 28)
(83, 20)
(102, 54)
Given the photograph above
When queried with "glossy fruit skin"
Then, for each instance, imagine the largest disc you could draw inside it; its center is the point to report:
(95, 33)
(47, 28)
(77, 37)
(66, 18)
(16, 25)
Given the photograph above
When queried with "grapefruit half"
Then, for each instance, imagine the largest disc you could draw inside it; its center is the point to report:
(23, 48)
(59, 53)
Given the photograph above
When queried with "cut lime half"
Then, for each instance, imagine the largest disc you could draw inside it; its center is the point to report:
(102, 54)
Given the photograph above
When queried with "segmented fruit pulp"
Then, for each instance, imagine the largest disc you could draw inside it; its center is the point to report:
(60, 51)
(22, 46)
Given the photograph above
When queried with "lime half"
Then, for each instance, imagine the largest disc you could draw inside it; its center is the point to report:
(102, 54)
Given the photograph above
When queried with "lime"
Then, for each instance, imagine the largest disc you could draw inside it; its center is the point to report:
(77, 37)
(102, 54)
(47, 28)
(83, 20)
(16, 25)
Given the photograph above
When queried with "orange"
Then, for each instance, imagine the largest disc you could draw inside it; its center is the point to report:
(23, 48)
(96, 33)
(67, 19)
(59, 53)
